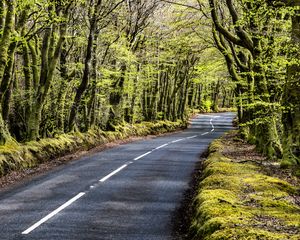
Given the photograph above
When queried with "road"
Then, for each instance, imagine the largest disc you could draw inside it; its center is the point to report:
(128, 192)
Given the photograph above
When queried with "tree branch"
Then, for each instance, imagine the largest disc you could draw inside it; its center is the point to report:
(236, 58)
(183, 5)
(239, 30)
(228, 35)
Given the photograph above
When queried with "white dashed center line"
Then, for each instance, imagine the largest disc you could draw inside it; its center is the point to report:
(52, 214)
(179, 140)
(68, 203)
(113, 173)
(162, 146)
(192, 137)
(144, 155)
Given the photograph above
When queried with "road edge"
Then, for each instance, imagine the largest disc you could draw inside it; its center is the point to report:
(34, 158)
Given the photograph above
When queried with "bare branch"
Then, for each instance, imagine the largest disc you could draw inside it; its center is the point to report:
(183, 5)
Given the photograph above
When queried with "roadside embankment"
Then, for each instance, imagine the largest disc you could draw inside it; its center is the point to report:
(15, 156)
(242, 195)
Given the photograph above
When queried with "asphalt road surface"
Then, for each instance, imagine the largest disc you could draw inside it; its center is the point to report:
(129, 192)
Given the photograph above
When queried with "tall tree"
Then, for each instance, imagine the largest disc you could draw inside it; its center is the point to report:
(5, 41)
(291, 99)
(99, 11)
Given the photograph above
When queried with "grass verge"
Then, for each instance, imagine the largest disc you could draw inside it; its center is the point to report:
(242, 195)
(15, 156)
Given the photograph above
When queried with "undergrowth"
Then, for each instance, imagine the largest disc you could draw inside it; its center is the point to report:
(237, 199)
(16, 156)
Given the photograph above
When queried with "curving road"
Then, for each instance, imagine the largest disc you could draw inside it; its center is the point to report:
(128, 192)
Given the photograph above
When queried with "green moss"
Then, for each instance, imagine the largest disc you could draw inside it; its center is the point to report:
(264, 183)
(216, 181)
(215, 146)
(248, 233)
(237, 201)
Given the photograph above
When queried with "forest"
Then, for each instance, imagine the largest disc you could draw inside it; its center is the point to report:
(71, 66)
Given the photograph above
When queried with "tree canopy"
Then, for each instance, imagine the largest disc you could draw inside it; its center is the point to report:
(77, 65)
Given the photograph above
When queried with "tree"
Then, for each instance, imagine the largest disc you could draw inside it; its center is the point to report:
(261, 113)
(82, 65)
(99, 11)
(5, 41)
(291, 99)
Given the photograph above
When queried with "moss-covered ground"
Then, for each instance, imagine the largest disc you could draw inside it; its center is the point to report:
(242, 195)
(15, 156)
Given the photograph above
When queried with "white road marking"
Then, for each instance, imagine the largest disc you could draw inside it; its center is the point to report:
(139, 157)
(113, 173)
(211, 123)
(79, 195)
(162, 146)
(192, 137)
(52, 214)
(179, 140)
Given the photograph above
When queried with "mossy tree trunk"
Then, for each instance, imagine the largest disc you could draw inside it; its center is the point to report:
(65, 78)
(91, 104)
(253, 44)
(266, 131)
(216, 95)
(291, 100)
(2, 12)
(49, 59)
(93, 20)
(115, 100)
(131, 117)
(4, 50)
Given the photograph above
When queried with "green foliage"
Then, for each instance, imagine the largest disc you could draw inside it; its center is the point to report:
(259, 41)
(207, 104)
(81, 68)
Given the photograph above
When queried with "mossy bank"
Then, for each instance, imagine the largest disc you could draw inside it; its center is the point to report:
(240, 198)
(15, 156)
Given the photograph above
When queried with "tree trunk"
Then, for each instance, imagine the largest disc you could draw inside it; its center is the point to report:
(291, 100)
(86, 74)
(4, 46)
(115, 100)
(216, 97)
(48, 66)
